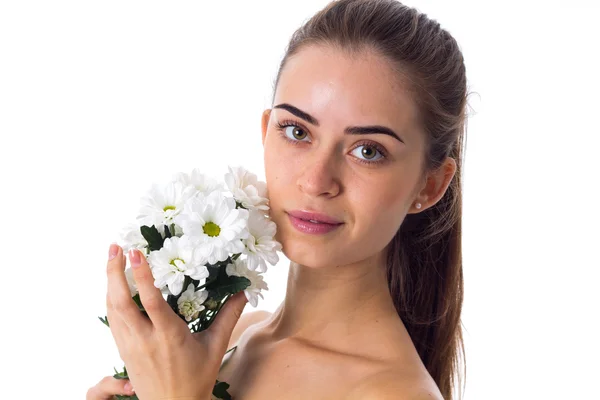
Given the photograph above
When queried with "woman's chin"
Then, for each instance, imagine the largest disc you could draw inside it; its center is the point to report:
(309, 257)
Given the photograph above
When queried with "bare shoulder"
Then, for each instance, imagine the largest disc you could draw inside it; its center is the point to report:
(246, 320)
(389, 385)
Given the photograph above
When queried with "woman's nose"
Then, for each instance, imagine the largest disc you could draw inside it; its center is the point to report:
(319, 177)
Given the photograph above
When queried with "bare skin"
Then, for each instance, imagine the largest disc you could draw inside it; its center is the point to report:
(294, 369)
(337, 334)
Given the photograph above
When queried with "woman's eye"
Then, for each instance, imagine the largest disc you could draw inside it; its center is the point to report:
(368, 152)
(365, 153)
(293, 132)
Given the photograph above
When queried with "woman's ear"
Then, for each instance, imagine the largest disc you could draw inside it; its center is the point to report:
(435, 187)
(265, 124)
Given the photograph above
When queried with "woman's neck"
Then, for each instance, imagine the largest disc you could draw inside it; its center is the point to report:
(325, 304)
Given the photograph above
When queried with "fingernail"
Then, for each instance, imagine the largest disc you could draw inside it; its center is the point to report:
(113, 251)
(134, 258)
(128, 387)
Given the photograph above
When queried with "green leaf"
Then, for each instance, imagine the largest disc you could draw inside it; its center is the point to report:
(153, 237)
(172, 302)
(220, 391)
(120, 397)
(213, 272)
(208, 283)
(167, 232)
(223, 284)
(121, 375)
(232, 285)
(104, 321)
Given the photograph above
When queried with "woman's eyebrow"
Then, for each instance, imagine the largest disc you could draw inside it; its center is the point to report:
(351, 130)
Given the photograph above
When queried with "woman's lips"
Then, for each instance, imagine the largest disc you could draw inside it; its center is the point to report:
(314, 228)
(314, 216)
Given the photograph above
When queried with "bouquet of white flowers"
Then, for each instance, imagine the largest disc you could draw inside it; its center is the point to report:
(204, 242)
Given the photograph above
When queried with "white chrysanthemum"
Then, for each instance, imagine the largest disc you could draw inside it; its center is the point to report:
(131, 282)
(215, 225)
(201, 182)
(178, 257)
(260, 245)
(247, 189)
(239, 268)
(190, 302)
(163, 203)
(131, 238)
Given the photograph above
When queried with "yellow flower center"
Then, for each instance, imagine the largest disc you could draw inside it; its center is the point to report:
(212, 229)
(174, 263)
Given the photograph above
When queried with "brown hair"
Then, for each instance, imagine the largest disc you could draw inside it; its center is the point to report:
(424, 260)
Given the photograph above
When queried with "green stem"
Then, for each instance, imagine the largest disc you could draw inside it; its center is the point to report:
(215, 312)
(206, 284)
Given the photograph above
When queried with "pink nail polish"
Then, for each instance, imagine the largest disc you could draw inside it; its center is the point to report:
(113, 251)
(134, 258)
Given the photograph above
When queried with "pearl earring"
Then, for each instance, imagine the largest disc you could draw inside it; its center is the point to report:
(418, 205)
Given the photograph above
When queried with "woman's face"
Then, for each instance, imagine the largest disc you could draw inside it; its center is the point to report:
(368, 181)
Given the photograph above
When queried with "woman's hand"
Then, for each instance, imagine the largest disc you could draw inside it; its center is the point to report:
(164, 359)
(108, 387)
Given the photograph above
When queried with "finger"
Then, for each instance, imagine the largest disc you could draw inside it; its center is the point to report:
(118, 327)
(161, 314)
(119, 299)
(108, 387)
(226, 319)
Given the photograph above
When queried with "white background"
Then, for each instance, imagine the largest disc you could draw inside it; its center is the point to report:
(100, 99)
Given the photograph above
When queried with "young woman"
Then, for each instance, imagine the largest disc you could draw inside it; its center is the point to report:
(364, 139)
